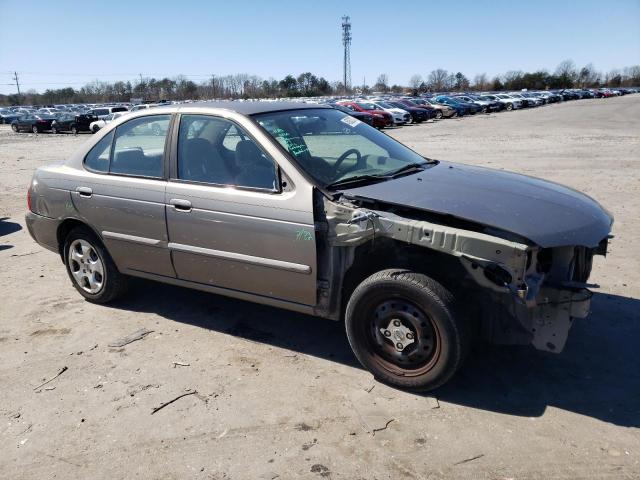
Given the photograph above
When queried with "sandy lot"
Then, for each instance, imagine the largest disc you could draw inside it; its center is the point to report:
(279, 395)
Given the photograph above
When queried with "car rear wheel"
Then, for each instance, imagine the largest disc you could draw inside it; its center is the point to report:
(74, 130)
(14, 127)
(54, 129)
(509, 107)
(485, 109)
(35, 129)
(95, 129)
(91, 268)
(439, 115)
(402, 327)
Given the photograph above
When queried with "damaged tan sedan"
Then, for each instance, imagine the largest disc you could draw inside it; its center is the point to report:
(308, 209)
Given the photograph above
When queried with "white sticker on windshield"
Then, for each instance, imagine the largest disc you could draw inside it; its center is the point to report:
(351, 121)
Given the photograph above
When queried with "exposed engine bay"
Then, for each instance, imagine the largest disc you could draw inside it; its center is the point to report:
(516, 291)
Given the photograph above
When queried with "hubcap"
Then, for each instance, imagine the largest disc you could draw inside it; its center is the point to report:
(403, 335)
(86, 266)
(399, 335)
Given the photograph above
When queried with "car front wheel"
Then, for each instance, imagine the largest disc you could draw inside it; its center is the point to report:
(403, 328)
(35, 129)
(509, 107)
(91, 268)
(14, 127)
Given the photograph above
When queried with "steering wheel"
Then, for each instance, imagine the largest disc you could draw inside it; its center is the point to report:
(343, 157)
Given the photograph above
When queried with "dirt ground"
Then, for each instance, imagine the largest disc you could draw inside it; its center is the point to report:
(280, 395)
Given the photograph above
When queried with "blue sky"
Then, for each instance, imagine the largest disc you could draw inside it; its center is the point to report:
(59, 43)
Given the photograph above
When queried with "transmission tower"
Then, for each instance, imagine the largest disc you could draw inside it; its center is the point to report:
(346, 42)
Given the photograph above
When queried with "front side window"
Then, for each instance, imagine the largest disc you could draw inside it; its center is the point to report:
(138, 146)
(334, 147)
(216, 151)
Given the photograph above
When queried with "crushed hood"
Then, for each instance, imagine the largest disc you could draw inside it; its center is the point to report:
(546, 213)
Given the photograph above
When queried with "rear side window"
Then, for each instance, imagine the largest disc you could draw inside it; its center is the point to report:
(119, 109)
(98, 157)
(138, 146)
(101, 111)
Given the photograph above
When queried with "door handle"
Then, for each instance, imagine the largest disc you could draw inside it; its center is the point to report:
(181, 205)
(84, 192)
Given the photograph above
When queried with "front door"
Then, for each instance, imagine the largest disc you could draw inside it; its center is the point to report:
(230, 223)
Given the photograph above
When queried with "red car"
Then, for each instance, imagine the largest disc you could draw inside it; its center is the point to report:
(381, 118)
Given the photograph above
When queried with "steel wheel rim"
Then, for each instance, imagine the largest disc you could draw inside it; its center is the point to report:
(86, 266)
(418, 354)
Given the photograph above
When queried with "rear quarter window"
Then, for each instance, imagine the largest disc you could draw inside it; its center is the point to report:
(97, 159)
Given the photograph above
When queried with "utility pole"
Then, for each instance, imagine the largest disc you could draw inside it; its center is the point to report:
(15, 77)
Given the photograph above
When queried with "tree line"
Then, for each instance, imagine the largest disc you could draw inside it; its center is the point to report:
(566, 75)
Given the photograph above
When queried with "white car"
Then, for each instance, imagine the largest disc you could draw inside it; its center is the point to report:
(531, 102)
(510, 103)
(400, 116)
(98, 124)
(49, 111)
(143, 106)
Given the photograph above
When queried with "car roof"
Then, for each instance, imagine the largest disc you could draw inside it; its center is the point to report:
(251, 108)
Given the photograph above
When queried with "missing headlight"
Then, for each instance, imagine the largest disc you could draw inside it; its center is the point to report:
(498, 275)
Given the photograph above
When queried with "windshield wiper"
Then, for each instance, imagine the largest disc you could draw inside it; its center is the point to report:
(411, 167)
(355, 180)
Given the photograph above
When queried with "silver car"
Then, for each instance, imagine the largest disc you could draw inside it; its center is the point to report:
(306, 208)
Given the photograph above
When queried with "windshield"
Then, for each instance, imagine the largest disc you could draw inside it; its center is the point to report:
(331, 146)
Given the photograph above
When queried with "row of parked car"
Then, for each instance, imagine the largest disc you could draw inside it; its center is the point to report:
(387, 111)
(379, 111)
(65, 118)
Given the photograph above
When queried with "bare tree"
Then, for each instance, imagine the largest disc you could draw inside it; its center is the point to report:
(437, 79)
(382, 83)
(415, 81)
(481, 82)
(566, 73)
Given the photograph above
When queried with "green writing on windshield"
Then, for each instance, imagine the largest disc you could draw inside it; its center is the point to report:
(294, 144)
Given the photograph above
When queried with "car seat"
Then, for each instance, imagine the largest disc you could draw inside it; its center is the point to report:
(255, 169)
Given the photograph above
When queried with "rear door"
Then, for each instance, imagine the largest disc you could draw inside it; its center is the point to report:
(121, 195)
(231, 223)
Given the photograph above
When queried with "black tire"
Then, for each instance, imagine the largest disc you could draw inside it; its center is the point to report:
(95, 129)
(113, 282)
(74, 129)
(54, 129)
(509, 107)
(440, 342)
(15, 128)
(439, 115)
(35, 129)
(485, 109)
